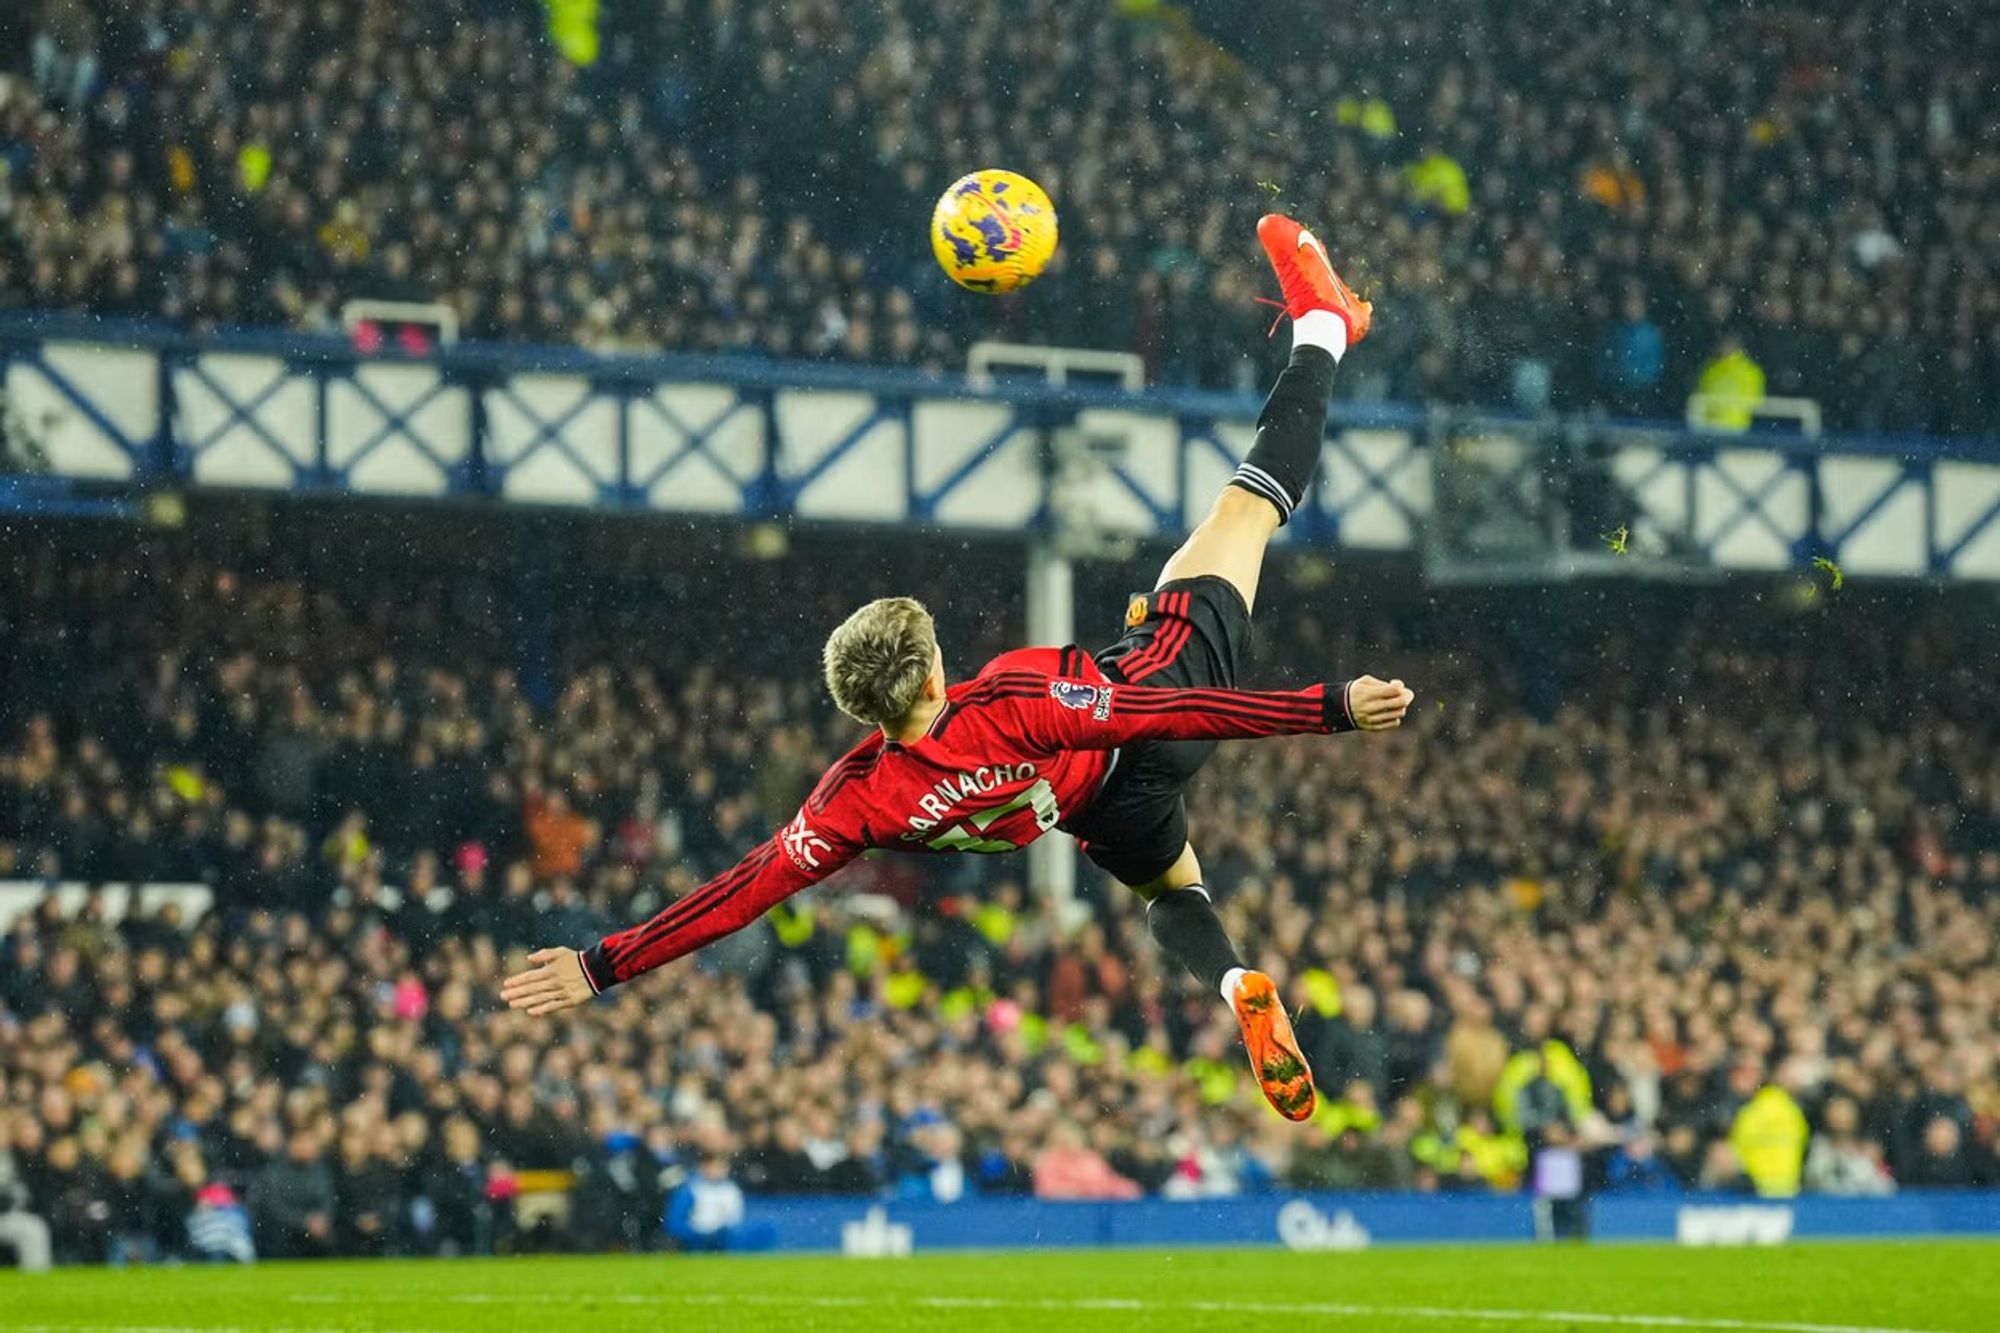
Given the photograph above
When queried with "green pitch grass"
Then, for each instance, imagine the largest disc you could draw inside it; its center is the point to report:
(1824, 1288)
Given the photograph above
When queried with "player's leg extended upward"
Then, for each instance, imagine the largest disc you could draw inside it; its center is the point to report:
(1260, 498)
(1229, 544)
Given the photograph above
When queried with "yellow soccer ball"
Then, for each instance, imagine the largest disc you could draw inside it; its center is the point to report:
(993, 231)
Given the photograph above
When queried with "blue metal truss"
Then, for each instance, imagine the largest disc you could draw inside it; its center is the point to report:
(145, 454)
(1944, 558)
(1373, 482)
(395, 425)
(781, 494)
(244, 413)
(695, 444)
(546, 433)
(1753, 502)
(753, 400)
(924, 504)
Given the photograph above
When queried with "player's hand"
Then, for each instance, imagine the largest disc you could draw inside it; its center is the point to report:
(555, 982)
(1377, 705)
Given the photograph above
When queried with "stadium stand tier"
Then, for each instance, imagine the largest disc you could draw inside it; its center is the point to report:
(1670, 875)
(1556, 205)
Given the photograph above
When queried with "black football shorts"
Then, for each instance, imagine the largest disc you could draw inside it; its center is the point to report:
(1189, 633)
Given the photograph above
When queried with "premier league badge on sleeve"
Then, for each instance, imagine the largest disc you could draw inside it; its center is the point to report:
(1092, 699)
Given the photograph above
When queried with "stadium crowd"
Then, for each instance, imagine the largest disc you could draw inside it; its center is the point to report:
(1559, 206)
(1713, 911)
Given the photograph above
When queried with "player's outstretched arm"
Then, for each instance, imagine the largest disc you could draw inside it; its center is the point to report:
(798, 856)
(1090, 715)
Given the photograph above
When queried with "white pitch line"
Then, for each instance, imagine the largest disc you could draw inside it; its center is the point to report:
(1434, 1313)
(179, 1328)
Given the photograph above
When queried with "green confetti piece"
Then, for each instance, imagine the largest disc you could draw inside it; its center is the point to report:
(1618, 541)
(1830, 569)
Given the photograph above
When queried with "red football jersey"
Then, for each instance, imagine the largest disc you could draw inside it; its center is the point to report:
(1016, 751)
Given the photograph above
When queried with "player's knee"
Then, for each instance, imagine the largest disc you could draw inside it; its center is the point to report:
(1184, 873)
(1238, 508)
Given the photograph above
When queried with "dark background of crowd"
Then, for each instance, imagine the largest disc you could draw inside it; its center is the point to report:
(1652, 872)
(1557, 205)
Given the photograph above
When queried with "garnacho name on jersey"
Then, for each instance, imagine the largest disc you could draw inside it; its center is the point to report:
(935, 805)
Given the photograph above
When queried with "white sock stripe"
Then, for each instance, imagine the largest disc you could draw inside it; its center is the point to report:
(1260, 473)
(1257, 479)
(1183, 888)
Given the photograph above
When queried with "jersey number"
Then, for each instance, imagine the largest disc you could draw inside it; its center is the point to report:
(1041, 797)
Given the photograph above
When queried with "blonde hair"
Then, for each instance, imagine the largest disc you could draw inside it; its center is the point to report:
(879, 658)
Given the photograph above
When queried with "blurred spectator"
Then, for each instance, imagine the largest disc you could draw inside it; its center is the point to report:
(1944, 1162)
(618, 1199)
(1840, 1161)
(706, 1213)
(937, 1173)
(25, 1233)
(218, 1226)
(455, 1213)
(367, 1190)
(1722, 1171)
(293, 1200)
(1070, 1169)
(1768, 1137)
(860, 1168)
(1634, 359)
(782, 1165)
(1539, 1107)
(1634, 1167)
(1438, 180)
(1729, 390)
(559, 836)
(129, 1199)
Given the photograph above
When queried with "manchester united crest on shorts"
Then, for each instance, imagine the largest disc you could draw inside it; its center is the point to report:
(1135, 614)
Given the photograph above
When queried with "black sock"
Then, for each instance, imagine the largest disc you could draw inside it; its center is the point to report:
(1290, 431)
(1185, 924)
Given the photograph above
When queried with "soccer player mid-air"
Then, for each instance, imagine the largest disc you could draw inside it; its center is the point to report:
(1099, 746)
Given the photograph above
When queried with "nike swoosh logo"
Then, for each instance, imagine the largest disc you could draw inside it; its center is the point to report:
(1306, 238)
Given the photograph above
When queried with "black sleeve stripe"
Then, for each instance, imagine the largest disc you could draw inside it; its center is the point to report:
(843, 772)
(1135, 700)
(1165, 646)
(710, 900)
(1169, 614)
(685, 912)
(1275, 710)
(1255, 709)
(982, 689)
(702, 900)
(1139, 701)
(1302, 708)
(1000, 678)
(1037, 691)
(1007, 685)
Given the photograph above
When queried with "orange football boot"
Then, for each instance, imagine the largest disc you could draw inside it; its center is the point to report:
(1274, 1052)
(1307, 277)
